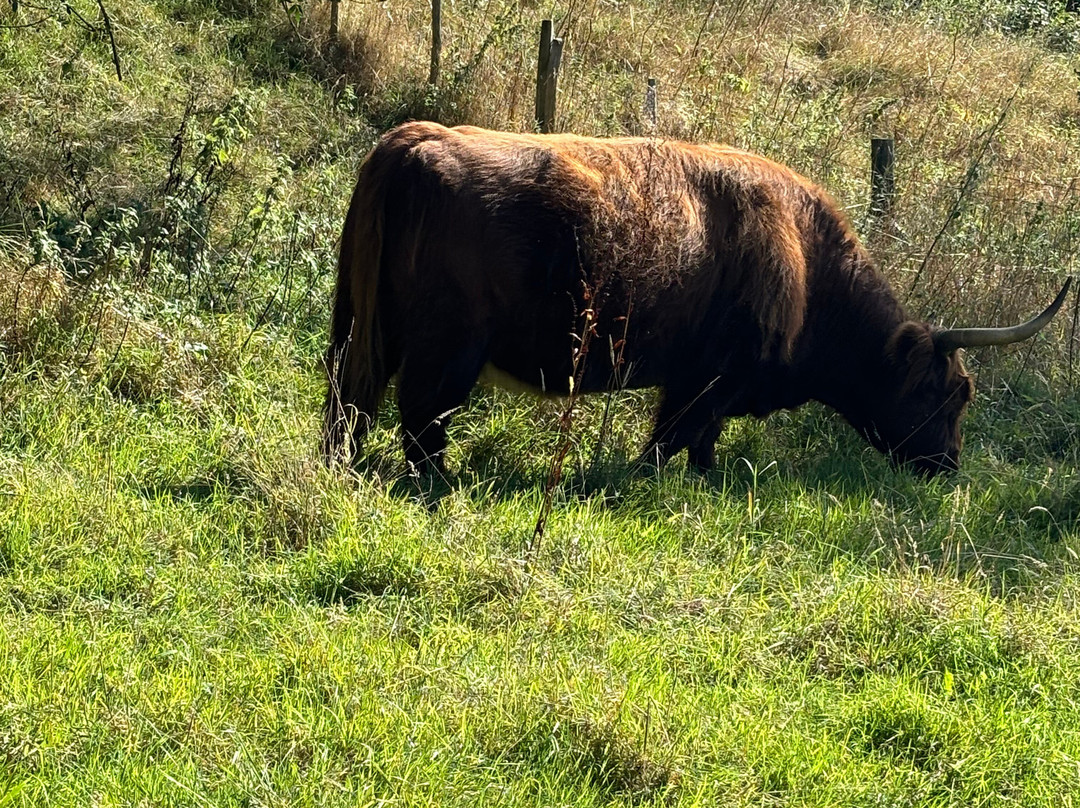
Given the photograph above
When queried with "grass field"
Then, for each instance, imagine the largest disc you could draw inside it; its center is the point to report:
(193, 611)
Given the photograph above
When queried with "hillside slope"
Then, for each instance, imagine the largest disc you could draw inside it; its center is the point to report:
(194, 612)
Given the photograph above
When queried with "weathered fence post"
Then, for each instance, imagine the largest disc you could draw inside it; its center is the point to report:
(334, 20)
(436, 41)
(882, 178)
(547, 77)
(650, 102)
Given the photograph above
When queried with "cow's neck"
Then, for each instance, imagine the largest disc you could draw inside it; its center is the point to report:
(851, 317)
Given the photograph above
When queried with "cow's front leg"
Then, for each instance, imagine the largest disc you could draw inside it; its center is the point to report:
(701, 453)
(682, 417)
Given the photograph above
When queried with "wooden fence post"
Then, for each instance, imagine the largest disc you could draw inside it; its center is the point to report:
(547, 77)
(650, 102)
(882, 178)
(436, 41)
(334, 20)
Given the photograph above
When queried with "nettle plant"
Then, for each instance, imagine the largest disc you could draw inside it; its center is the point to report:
(231, 227)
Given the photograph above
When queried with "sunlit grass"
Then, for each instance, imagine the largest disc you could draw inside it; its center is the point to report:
(191, 605)
(194, 611)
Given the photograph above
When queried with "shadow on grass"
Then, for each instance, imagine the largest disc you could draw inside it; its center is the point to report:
(486, 471)
(348, 584)
(599, 754)
(196, 492)
(819, 481)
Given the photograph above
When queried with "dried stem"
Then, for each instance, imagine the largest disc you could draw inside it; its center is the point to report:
(112, 39)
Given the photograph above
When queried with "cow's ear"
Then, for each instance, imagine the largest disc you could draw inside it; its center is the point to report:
(908, 340)
(910, 350)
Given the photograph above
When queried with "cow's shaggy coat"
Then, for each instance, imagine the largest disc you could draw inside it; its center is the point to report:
(727, 280)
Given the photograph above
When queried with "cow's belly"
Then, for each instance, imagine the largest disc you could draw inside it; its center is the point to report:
(491, 376)
(556, 385)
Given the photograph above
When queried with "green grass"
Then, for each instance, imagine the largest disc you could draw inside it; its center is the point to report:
(193, 611)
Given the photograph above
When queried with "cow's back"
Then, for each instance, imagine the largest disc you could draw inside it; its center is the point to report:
(521, 234)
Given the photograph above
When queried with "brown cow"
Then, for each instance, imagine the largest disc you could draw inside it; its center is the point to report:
(726, 279)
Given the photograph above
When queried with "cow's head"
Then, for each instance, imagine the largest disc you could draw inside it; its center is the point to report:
(915, 409)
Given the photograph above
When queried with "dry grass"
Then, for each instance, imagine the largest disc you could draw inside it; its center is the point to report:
(30, 294)
(986, 218)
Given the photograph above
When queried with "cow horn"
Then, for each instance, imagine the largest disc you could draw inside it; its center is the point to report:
(950, 339)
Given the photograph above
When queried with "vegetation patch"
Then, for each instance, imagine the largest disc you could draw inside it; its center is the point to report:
(905, 728)
(347, 583)
(601, 755)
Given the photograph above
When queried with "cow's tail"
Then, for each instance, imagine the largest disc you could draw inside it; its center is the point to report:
(356, 362)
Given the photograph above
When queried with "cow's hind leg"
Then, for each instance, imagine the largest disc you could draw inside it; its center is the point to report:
(433, 384)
